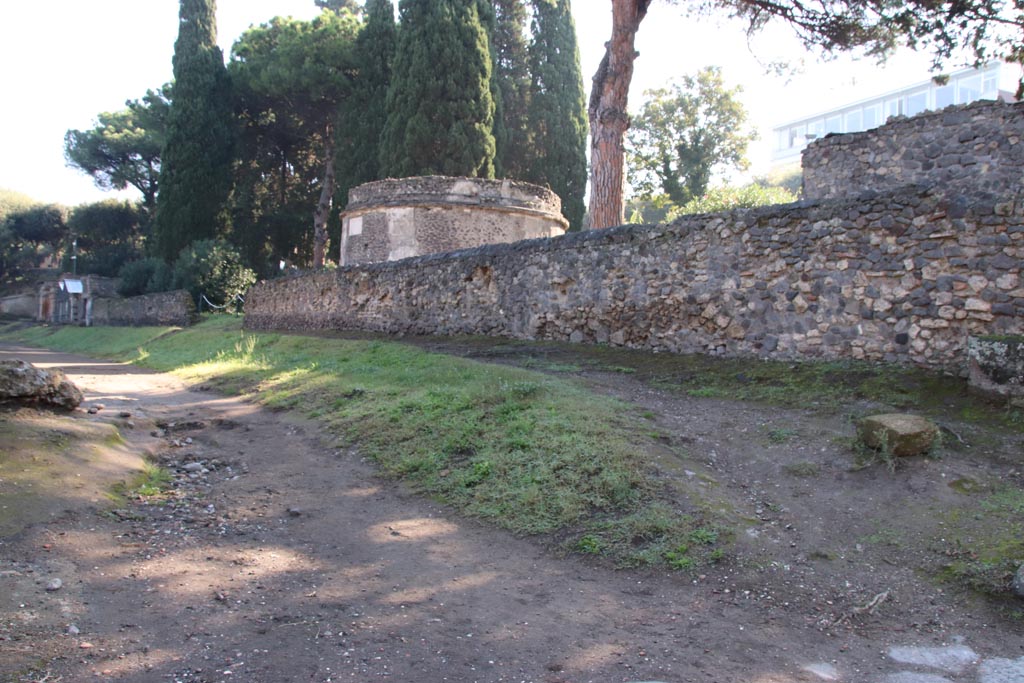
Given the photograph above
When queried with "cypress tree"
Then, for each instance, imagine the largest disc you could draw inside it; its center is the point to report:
(558, 111)
(195, 172)
(512, 73)
(361, 119)
(440, 112)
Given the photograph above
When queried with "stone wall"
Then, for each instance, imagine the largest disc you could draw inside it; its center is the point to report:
(165, 308)
(20, 305)
(979, 146)
(392, 219)
(901, 276)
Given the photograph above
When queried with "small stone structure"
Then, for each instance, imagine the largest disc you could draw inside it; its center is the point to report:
(977, 147)
(174, 308)
(70, 300)
(894, 273)
(393, 219)
(996, 367)
(94, 300)
(898, 434)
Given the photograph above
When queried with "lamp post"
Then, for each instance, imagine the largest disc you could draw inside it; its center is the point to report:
(74, 256)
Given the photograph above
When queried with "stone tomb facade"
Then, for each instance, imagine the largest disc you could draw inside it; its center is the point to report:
(388, 220)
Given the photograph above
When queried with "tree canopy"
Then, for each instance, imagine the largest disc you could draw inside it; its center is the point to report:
(987, 28)
(557, 109)
(195, 169)
(124, 147)
(291, 77)
(362, 115)
(440, 108)
(686, 132)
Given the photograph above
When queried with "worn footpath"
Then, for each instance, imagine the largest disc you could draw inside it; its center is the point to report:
(281, 555)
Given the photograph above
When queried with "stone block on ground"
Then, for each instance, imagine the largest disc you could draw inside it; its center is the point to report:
(25, 383)
(898, 433)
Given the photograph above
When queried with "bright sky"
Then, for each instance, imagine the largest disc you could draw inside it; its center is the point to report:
(65, 61)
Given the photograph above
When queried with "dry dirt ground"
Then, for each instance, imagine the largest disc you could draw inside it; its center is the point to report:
(283, 558)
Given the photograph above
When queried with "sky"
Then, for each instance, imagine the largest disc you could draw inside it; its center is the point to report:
(65, 61)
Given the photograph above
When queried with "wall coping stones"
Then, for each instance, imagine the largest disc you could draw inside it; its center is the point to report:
(442, 191)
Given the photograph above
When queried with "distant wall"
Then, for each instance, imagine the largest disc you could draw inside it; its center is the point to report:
(20, 305)
(978, 146)
(165, 308)
(393, 219)
(901, 276)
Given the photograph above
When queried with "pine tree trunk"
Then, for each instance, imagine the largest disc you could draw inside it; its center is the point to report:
(608, 114)
(323, 207)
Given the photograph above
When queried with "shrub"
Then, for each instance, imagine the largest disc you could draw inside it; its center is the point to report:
(143, 277)
(213, 268)
(726, 198)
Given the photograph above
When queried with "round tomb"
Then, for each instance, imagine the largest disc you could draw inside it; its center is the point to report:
(392, 219)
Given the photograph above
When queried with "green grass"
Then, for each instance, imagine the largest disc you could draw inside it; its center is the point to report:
(152, 482)
(985, 542)
(529, 452)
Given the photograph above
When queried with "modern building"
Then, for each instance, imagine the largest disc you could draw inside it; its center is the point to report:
(995, 80)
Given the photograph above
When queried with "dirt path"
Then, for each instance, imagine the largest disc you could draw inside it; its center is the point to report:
(285, 558)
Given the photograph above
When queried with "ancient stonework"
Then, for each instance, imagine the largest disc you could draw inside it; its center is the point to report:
(893, 277)
(904, 275)
(996, 367)
(392, 219)
(163, 308)
(979, 146)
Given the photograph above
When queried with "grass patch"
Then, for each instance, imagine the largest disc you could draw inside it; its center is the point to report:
(779, 435)
(151, 482)
(529, 452)
(985, 542)
(656, 535)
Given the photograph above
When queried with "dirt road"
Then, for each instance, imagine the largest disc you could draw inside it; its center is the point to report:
(284, 557)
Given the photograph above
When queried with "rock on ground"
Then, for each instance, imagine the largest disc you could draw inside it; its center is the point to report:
(21, 381)
(898, 433)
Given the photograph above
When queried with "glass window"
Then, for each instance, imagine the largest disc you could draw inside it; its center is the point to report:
(990, 88)
(944, 95)
(834, 124)
(782, 139)
(892, 108)
(815, 129)
(797, 136)
(854, 121)
(872, 116)
(917, 102)
(968, 89)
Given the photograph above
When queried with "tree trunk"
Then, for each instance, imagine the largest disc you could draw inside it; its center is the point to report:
(323, 207)
(608, 114)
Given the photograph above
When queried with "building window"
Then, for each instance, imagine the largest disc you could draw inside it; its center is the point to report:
(944, 95)
(917, 102)
(892, 108)
(872, 116)
(815, 129)
(969, 89)
(797, 136)
(833, 124)
(990, 88)
(854, 121)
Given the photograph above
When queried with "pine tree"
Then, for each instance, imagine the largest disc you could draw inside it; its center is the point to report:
(440, 109)
(361, 119)
(512, 73)
(195, 173)
(558, 113)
